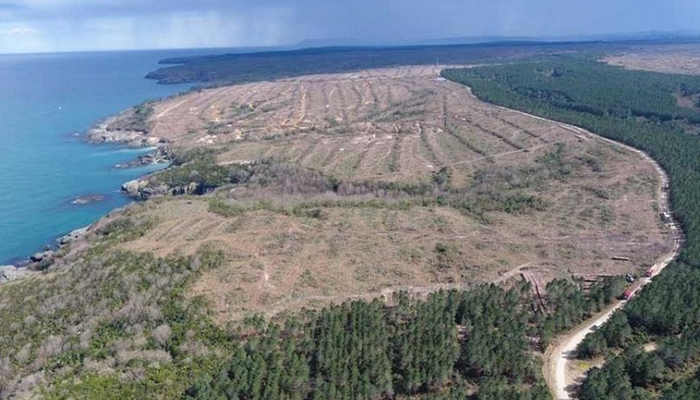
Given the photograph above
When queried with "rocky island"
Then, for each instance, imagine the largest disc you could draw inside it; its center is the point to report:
(88, 199)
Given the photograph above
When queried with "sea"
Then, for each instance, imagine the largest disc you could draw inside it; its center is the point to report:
(47, 103)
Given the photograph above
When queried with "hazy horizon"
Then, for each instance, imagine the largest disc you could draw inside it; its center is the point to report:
(36, 26)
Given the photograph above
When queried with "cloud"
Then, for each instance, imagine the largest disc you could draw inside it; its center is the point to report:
(123, 24)
(18, 31)
(11, 5)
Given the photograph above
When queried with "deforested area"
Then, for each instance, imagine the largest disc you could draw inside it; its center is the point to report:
(389, 179)
(649, 349)
(112, 324)
(349, 200)
(299, 211)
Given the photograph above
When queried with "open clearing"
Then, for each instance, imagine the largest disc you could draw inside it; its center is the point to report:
(674, 59)
(401, 126)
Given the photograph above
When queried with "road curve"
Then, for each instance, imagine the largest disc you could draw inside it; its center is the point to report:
(557, 357)
(559, 382)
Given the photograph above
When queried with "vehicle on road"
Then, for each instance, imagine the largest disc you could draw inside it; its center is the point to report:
(627, 294)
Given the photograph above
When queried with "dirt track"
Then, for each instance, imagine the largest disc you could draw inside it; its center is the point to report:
(561, 381)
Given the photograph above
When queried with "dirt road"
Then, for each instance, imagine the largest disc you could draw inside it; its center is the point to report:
(560, 381)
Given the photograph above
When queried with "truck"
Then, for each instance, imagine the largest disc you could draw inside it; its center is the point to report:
(627, 294)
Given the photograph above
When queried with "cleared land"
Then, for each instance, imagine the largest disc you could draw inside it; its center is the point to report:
(674, 59)
(586, 201)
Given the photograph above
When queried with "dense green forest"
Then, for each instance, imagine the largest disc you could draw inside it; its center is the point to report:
(453, 345)
(639, 109)
(214, 70)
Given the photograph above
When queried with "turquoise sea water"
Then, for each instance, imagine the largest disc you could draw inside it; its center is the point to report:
(45, 101)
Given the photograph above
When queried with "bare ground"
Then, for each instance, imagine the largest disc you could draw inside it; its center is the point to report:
(399, 125)
(675, 59)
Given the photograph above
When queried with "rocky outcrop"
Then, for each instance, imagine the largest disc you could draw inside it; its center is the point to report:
(40, 261)
(92, 198)
(142, 189)
(9, 273)
(42, 256)
(148, 192)
(112, 130)
(134, 188)
(139, 189)
(73, 236)
(160, 156)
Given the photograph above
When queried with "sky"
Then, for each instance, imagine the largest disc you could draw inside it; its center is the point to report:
(29, 26)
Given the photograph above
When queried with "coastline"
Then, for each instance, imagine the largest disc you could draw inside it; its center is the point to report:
(42, 260)
(47, 164)
(101, 132)
(104, 131)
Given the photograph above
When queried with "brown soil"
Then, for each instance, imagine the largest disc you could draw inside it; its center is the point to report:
(398, 125)
(675, 59)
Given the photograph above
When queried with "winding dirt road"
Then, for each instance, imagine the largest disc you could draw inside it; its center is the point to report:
(558, 356)
(562, 384)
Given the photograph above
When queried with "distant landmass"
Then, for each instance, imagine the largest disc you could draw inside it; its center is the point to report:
(231, 68)
(646, 36)
(346, 55)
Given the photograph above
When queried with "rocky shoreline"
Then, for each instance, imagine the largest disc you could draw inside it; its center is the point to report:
(113, 130)
(120, 129)
(42, 260)
(158, 156)
(125, 129)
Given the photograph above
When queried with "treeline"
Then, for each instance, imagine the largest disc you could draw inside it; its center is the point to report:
(439, 348)
(656, 336)
(568, 305)
(453, 345)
